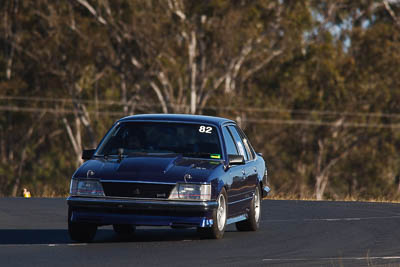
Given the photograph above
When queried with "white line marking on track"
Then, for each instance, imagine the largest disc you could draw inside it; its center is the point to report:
(335, 219)
(77, 244)
(338, 259)
(44, 245)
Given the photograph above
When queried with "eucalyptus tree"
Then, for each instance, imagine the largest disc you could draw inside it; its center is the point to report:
(347, 67)
(186, 51)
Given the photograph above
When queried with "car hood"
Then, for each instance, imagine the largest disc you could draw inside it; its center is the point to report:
(148, 169)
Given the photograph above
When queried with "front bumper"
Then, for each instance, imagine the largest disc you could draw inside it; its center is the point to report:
(103, 211)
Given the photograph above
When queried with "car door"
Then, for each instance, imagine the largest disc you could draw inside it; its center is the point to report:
(248, 182)
(252, 172)
(236, 176)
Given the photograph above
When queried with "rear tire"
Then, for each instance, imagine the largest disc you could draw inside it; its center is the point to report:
(219, 219)
(253, 222)
(124, 229)
(81, 232)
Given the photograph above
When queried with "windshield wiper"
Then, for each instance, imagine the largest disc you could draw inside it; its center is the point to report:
(120, 154)
(106, 155)
(138, 153)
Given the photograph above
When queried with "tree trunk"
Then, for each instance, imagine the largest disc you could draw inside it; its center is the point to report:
(124, 96)
(75, 139)
(320, 185)
(301, 169)
(193, 70)
(19, 174)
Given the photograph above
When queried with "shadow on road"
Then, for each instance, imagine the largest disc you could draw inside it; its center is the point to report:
(160, 235)
(42, 236)
(60, 236)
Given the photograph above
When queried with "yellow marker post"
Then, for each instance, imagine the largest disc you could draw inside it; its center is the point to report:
(27, 194)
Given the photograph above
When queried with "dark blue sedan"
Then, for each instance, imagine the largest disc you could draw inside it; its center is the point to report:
(168, 170)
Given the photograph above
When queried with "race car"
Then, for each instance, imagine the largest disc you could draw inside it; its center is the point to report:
(168, 170)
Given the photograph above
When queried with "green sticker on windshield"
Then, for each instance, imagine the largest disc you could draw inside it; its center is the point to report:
(215, 156)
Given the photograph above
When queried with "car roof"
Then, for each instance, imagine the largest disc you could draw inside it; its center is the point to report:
(178, 118)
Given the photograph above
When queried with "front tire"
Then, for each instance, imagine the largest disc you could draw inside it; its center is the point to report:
(80, 232)
(219, 219)
(253, 222)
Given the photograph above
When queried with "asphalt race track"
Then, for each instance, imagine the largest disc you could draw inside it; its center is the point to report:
(33, 232)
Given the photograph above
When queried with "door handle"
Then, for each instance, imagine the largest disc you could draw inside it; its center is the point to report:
(243, 172)
(255, 169)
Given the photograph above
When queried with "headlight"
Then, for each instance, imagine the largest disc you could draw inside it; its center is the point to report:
(191, 192)
(86, 188)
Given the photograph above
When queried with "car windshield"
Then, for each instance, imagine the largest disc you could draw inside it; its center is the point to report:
(189, 140)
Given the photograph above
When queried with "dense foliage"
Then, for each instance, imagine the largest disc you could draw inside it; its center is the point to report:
(313, 83)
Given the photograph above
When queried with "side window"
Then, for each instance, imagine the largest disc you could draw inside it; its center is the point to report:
(230, 144)
(249, 149)
(239, 143)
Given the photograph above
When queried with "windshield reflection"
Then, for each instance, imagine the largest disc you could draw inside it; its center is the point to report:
(149, 138)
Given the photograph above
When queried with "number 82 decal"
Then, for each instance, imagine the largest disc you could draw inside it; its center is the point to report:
(205, 129)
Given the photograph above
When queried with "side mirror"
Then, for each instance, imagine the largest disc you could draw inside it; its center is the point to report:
(88, 154)
(236, 159)
(260, 154)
